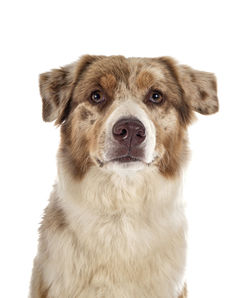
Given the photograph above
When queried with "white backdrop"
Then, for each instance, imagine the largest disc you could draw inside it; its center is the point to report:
(208, 35)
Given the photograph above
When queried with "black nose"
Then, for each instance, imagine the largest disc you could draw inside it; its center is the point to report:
(129, 132)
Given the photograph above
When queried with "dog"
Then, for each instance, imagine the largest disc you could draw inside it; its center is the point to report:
(115, 224)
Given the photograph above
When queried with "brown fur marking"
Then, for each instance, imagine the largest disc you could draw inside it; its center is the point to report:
(144, 80)
(85, 113)
(203, 94)
(108, 82)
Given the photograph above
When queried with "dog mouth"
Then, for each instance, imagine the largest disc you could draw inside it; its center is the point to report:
(127, 158)
(122, 160)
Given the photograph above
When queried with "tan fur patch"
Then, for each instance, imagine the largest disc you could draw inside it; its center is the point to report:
(108, 82)
(144, 80)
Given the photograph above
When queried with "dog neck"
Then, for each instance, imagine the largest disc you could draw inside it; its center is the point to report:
(112, 191)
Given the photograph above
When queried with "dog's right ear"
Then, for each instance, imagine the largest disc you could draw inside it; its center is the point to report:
(56, 88)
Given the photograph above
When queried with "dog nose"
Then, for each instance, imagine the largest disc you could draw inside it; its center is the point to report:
(129, 132)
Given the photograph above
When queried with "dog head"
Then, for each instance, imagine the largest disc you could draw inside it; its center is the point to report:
(125, 114)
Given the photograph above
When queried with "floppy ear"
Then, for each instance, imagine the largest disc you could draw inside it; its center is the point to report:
(200, 89)
(56, 89)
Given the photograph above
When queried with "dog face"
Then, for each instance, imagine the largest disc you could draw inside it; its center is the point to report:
(125, 114)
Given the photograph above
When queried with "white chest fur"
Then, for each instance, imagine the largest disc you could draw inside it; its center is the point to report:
(125, 237)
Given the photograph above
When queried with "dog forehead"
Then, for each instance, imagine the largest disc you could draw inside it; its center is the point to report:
(108, 72)
(144, 72)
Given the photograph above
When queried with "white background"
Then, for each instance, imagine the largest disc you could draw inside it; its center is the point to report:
(207, 35)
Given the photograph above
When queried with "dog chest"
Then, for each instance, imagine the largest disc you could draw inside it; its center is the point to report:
(119, 252)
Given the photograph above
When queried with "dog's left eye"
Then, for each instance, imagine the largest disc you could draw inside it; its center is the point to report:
(97, 96)
(155, 96)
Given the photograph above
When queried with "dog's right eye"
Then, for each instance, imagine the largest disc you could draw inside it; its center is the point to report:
(97, 96)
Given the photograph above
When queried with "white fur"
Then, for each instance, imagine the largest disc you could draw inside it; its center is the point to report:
(119, 221)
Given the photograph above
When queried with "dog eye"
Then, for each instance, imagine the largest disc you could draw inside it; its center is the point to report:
(155, 96)
(97, 96)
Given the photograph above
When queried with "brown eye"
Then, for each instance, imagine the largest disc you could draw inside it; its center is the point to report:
(97, 96)
(155, 96)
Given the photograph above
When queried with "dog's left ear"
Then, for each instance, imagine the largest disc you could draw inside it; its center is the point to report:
(198, 87)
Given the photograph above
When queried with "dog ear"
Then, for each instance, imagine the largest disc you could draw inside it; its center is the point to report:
(198, 87)
(56, 87)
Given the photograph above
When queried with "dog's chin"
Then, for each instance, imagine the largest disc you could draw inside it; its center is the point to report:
(125, 167)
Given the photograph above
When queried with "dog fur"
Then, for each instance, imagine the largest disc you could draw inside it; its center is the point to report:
(118, 229)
